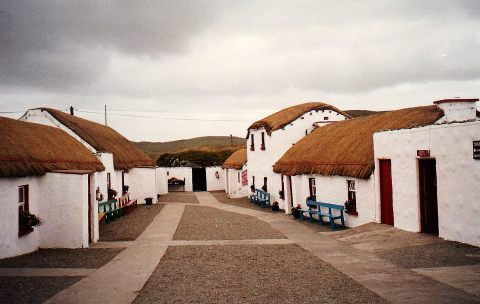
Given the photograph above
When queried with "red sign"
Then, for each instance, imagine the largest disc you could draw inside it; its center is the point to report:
(423, 153)
(244, 178)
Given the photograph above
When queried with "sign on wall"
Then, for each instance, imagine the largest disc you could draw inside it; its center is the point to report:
(244, 178)
(476, 149)
(423, 153)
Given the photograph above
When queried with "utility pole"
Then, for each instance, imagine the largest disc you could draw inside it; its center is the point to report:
(231, 140)
(106, 115)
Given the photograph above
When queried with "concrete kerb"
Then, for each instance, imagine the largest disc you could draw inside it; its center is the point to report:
(395, 284)
(110, 284)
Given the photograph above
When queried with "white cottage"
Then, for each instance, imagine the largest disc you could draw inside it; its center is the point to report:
(335, 163)
(124, 163)
(269, 138)
(45, 172)
(236, 177)
(429, 177)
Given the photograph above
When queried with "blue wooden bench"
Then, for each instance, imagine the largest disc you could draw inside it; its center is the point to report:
(318, 208)
(261, 198)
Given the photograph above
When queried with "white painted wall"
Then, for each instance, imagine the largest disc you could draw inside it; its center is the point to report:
(64, 208)
(458, 177)
(260, 162)
(60, 200)
(334, 190)
(233, 183)
(161, 180)
(214, 183)
(142, 184)
(181, 173)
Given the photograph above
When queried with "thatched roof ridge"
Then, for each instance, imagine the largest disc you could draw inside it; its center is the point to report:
(30, 149)
(283, 117)
(104, 139)
(237, 160)
(346, 148)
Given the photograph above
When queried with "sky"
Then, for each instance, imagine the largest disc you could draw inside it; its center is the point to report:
(170, 70)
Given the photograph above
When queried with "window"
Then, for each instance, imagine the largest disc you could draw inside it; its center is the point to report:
(109, 181)
(238, 177)
(281, 194)
(312, 188)
(253, 181)
(252, 142)
(23, 198)
(264, 188)
(262, 147)
(351, 203)
(23, 206)
(325, 118)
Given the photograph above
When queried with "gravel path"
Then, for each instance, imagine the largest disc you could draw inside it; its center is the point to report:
(32, 289)
(439, 254)
(62, 258)
(249, 274)
(179, 197)
(207, 223)
(129, 227)
(244, 202)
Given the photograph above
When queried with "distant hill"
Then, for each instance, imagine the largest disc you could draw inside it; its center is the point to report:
(205, 144)
(195, 158)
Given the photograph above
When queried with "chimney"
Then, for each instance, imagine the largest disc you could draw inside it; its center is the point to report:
(458, 109)
(71, 110)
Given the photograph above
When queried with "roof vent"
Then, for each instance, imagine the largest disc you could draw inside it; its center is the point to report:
(458, 109)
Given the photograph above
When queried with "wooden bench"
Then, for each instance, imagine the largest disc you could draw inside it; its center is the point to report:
(261, 198)
(126, 203)
(109, 210)
(315, 207)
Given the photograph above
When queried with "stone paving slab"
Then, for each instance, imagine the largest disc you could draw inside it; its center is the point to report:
(396, 284)
(120, 280)
(45, 272)
(466, 278)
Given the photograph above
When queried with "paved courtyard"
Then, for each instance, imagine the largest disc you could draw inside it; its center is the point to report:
(206, 248)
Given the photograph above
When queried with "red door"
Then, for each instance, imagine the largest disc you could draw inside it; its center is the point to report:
(427, 184)
(386, 197)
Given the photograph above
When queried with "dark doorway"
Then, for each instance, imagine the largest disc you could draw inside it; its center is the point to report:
(199, 179)
(427, 184)
(386, 196)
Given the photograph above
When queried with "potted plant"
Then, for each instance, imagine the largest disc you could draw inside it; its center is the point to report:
(275, 206)
(125, 189)
(252, 188)
(26, 222)
(351, 207)
(112, 194)
(296, 211)
(281, 194)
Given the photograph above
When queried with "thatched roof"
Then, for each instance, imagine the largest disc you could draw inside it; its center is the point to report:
(361, 113)
(237, 160)
(104, 139)
(346, 148)
(282, 118)
(30, 149)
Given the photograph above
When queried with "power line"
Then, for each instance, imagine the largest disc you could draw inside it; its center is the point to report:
(203, 112)
(165, 118)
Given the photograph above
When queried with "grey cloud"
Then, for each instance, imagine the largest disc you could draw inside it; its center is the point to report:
(57, 44)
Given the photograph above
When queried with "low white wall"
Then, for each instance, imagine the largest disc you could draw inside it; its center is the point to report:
(458, 177)
(214, 183)
(161, 180)
(181, 173)
(60, 200)
(142, 184)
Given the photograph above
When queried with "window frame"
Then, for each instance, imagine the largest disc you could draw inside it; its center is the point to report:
(252, 142)
(262, 147)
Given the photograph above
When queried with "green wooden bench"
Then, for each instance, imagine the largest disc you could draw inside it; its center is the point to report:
(318, 208)
(110, 210)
